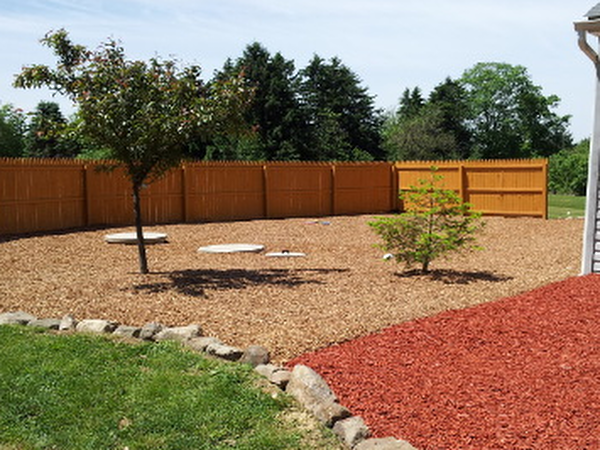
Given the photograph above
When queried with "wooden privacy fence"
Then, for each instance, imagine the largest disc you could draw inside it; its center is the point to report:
(493, 187)
(44, 195)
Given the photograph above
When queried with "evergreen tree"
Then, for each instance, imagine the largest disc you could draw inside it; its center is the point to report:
(451, 100)
(336, 101)
(275, 114)
(12, 131)
(46, 137)
(411, 103)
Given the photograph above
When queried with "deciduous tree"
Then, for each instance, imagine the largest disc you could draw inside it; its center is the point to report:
(435, 223)
(143, 113)
(419, 136)
(568, 170)
(509, 115)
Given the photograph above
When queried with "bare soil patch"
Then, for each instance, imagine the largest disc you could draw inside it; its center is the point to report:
(341, 290)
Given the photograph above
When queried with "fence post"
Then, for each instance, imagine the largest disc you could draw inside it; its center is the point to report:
(184, 194)
(84, 190)
(333, 167)
(87, 206)
(545, 188)
(461, 182)
(394, 185)
(265, 178)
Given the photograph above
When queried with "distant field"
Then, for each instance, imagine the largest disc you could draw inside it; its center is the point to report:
(563, 206)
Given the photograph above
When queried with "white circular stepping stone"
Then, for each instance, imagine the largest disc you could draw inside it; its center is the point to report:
(232, 248)
(285, 254)
(131, 238)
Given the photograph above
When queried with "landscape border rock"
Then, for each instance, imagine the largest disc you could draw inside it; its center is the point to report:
(302, 383)
(352, 431)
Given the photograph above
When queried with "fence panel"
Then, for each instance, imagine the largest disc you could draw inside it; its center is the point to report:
(363, 188)
(496, 187)
(512, 189)
(108, 196)
(298, 189)
(163, 201)
(224, 191)
(39, 196)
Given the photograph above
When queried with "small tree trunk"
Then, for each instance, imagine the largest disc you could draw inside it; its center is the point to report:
(137, 210)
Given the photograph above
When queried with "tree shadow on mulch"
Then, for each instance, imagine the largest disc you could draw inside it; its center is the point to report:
(449, 276)
(196, 283)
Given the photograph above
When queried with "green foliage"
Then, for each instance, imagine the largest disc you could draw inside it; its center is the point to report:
(142, 113)
(342, 117)
(509, 116)
(48, 135)
(428, 130)
(493, 111)
(318, 113)
(436, 222)
(411, 103)
(275, 112)
(568, 170)
(450, 98)
(88, 392)
(12, 132)
(418, 136)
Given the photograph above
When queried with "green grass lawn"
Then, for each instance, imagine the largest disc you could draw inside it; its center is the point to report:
(563, 206)
(90, 392)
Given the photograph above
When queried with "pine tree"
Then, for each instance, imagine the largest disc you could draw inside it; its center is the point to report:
(451, 100)
(275, 114)
(332, 92)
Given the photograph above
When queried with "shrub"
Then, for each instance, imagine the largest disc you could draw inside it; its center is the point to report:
(436, 222)
(568, 170)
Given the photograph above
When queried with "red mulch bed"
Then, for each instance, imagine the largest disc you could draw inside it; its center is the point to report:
(519, 373)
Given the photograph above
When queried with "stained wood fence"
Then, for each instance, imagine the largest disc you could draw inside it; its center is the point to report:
(44, 194)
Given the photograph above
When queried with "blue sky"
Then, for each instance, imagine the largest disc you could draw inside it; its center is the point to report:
(389, 44)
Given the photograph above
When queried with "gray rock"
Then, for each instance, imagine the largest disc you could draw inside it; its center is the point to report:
(255, 355)
(96, 326)
(330, 413)
(150, 330)
(178, 333)
(267, 370)
(351, 431)
(388, 443)
(275, 374)
(50, 324)
(281, 378)
(16, 318)
(311, 390)
(127, 331)
(67, 323)
(224, 352)
(199, 344)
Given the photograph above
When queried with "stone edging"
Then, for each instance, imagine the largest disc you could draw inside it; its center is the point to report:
(302, 383)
